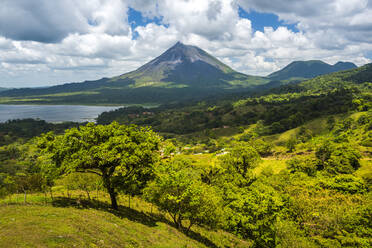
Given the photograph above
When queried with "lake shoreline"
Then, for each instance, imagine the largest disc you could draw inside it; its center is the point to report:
(53, 113)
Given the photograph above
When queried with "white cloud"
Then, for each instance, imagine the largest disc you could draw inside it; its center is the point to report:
(47, 42)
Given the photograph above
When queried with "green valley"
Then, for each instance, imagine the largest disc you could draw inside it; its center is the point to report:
(286, 167)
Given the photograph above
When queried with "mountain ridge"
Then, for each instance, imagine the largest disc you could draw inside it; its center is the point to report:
(309, 69)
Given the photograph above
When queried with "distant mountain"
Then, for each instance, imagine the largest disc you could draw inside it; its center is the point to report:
(182, 72)
(309, 69)
(3, 89)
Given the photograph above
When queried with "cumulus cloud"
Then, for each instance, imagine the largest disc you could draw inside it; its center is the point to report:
(49, 42)
(40, 20)
(346, 19)
(51, 21)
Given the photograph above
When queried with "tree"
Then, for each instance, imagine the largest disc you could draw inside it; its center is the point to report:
(242, 157)
(263, 148)
(28, 183)
(117, 153)
(291, 144)
(83, 181)
(338, 158)
(253, 213)
(179, 191)
(306, 164)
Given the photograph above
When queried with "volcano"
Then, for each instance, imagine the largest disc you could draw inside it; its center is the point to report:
(182, 72)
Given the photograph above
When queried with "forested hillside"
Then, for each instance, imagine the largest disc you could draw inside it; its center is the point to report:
(288, 167)
(279, 109)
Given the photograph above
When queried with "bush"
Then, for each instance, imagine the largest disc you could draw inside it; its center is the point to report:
(288, 235)
(308, 165)
(179, 191)
(338, 159)
(253, 214)
(347, 184)
(262, 147)
(242, 159)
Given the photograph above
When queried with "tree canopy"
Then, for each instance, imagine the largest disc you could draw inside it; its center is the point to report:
(122, 155)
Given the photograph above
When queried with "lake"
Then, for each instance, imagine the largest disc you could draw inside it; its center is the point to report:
(53, 113)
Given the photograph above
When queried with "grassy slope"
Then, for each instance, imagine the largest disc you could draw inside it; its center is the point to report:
(277, 161)
(63, 223)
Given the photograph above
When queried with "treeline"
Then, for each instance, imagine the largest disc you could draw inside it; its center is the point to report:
(282, 106)
(25, 129)
(279, 112)
(318, 201)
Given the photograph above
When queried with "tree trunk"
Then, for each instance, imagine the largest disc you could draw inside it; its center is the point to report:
(110, 190)
(180, 222)
(114, 203)
(189, 227)
(87, 191)
(51, 193)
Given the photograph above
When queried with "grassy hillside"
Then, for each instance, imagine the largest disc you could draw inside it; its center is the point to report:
(286, 201)
(65, 223)
(288, 168)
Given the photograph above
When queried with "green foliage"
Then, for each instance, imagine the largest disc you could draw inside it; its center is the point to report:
(291, 144)
(242, 158)
(304, 134)
(262, 147)
(123, 156)
(253, 214)
(25, 129)
(289, 235)
(338, 158)
(81, 181)
(308, 165)
(346, 183)
(178, 190)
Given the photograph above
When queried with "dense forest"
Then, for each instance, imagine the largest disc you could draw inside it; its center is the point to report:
(285, 167)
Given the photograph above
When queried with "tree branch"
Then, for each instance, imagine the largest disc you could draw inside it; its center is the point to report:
(91, 171)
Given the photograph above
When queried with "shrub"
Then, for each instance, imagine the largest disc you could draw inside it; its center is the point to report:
(308, 165)
(262, 147)
(347, 184)
(178, 190)
(338, 159)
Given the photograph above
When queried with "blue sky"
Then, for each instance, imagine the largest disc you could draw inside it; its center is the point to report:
(259, 20)
(47, 42)
(135, 19)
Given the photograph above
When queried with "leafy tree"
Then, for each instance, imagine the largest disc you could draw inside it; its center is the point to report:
(7, 185)
(28, 183)
(242, 158)
(308, 165)
(262, 147)
(291, 144)
(82, 181)
(117, 153)
(338, 158)
(254, 213)
(304, 134)
(346, 183)
(178, 190)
